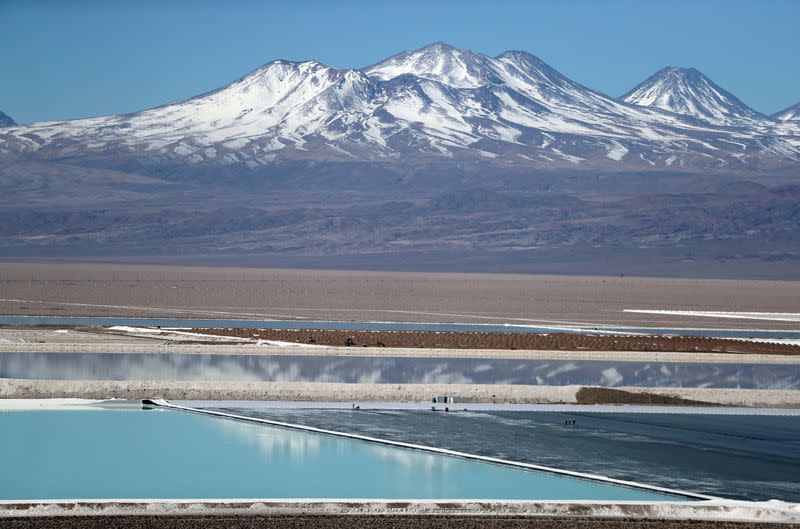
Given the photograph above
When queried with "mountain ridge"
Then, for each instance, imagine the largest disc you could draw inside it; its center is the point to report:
(437, 103)
(441, 160)
(791, 113)
(5, 120)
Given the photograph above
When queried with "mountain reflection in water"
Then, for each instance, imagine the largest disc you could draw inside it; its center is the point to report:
(406, 370)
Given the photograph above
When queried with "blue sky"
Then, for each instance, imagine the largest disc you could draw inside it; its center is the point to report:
(64, 59)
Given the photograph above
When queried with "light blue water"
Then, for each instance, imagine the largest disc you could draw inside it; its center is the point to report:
(134, 453)
(380, 326)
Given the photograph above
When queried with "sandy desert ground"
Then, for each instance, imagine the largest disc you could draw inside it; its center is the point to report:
(140, 290)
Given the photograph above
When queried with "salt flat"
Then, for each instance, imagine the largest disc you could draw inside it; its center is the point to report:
(253, 293)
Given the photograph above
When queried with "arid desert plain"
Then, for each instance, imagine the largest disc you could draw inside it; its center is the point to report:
(251, 293)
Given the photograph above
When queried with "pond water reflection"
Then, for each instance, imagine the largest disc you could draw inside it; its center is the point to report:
(384, 370)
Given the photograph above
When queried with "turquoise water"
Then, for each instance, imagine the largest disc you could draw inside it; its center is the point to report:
(133, 453)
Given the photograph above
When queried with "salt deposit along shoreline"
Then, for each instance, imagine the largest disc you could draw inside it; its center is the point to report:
(355, 513)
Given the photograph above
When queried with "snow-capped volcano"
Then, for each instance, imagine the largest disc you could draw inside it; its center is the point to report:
(789, 114)
(439, 103)
(5, 120)
(687, 91)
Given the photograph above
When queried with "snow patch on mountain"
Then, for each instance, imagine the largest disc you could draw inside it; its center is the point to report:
(617, 151)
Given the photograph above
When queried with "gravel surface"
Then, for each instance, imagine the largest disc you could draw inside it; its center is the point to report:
(494, 340)
(365, 521)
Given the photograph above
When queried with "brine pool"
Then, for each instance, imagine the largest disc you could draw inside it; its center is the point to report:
(128, 452)
(393, 370)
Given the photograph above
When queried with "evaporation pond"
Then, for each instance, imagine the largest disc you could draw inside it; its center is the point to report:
(135, 453)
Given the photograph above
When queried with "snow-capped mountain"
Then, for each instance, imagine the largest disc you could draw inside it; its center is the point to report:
(439, 154)
(436, 104)
(5, 120)
(791, 114)
(687, 91)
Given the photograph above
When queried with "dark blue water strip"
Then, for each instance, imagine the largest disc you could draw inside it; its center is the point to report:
(393, 370)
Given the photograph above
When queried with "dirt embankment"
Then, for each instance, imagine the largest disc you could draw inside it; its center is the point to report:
(595, 395)
(526, 341)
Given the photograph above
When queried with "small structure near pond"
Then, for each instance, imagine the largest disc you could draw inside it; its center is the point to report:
(449, 399)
